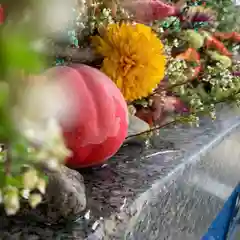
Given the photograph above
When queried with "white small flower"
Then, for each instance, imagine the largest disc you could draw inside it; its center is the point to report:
(161, 30)
(106, 12)
(175, 42)
(30, 179)
(25, 193)
(35, 199)
(92, 25)
(10, 211)
(11, 200)
(53, 164)
(41, 186)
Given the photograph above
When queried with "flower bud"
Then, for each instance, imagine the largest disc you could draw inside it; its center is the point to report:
(41, 186)
(61, 152)
(30, 179)
(35, 199)
(42, 155)
(194, 39)
(25, 193)
(11, 201)
(53, 164)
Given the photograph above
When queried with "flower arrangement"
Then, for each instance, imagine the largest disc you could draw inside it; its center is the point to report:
(181, 71)
(163, 59)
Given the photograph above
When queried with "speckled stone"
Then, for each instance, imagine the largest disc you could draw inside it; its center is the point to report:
(168, 189)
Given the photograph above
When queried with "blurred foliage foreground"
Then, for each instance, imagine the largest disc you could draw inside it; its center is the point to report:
(28, 146)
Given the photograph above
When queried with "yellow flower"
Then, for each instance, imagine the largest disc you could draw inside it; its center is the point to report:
(133, 58)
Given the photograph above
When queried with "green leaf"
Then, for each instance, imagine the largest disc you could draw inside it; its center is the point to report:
(2, 176)
(19, 150)
(14, 181)
(43, 176)
(202, 93)
(18, 52)
(4, 93)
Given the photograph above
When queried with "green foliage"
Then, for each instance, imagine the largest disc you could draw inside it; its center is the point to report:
(228, 14)
(15, 57)
(215, 82)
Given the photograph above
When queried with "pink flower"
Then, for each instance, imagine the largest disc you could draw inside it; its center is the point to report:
(150, 10)
(161, 10)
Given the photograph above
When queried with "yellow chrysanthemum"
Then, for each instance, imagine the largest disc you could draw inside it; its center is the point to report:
(133, 58)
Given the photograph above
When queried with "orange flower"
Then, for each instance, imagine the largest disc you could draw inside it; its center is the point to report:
(191, 55)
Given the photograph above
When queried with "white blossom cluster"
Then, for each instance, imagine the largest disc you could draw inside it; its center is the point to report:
(102, 19)
(168, 46)
(217, 76)
(193, 120)
(51, 153)
(176, 70)
(38, 143)
(199, 101)
(196, 103)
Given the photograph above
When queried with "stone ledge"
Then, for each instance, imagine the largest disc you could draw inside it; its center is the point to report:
(151, 192)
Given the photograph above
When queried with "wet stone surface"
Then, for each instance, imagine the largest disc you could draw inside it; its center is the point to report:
(145, 192)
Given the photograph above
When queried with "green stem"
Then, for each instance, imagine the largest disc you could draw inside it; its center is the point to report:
(153, 129)
(168, 88)
(179, 119)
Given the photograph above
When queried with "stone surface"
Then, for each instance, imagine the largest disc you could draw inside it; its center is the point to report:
(65, 199)
(169, 189)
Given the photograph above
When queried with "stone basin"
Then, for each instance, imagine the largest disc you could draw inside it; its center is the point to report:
(171, 188)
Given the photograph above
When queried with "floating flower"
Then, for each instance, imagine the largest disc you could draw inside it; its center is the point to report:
(133, 58)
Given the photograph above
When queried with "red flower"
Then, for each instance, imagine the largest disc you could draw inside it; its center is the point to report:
(212, 42)
(234, 36)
